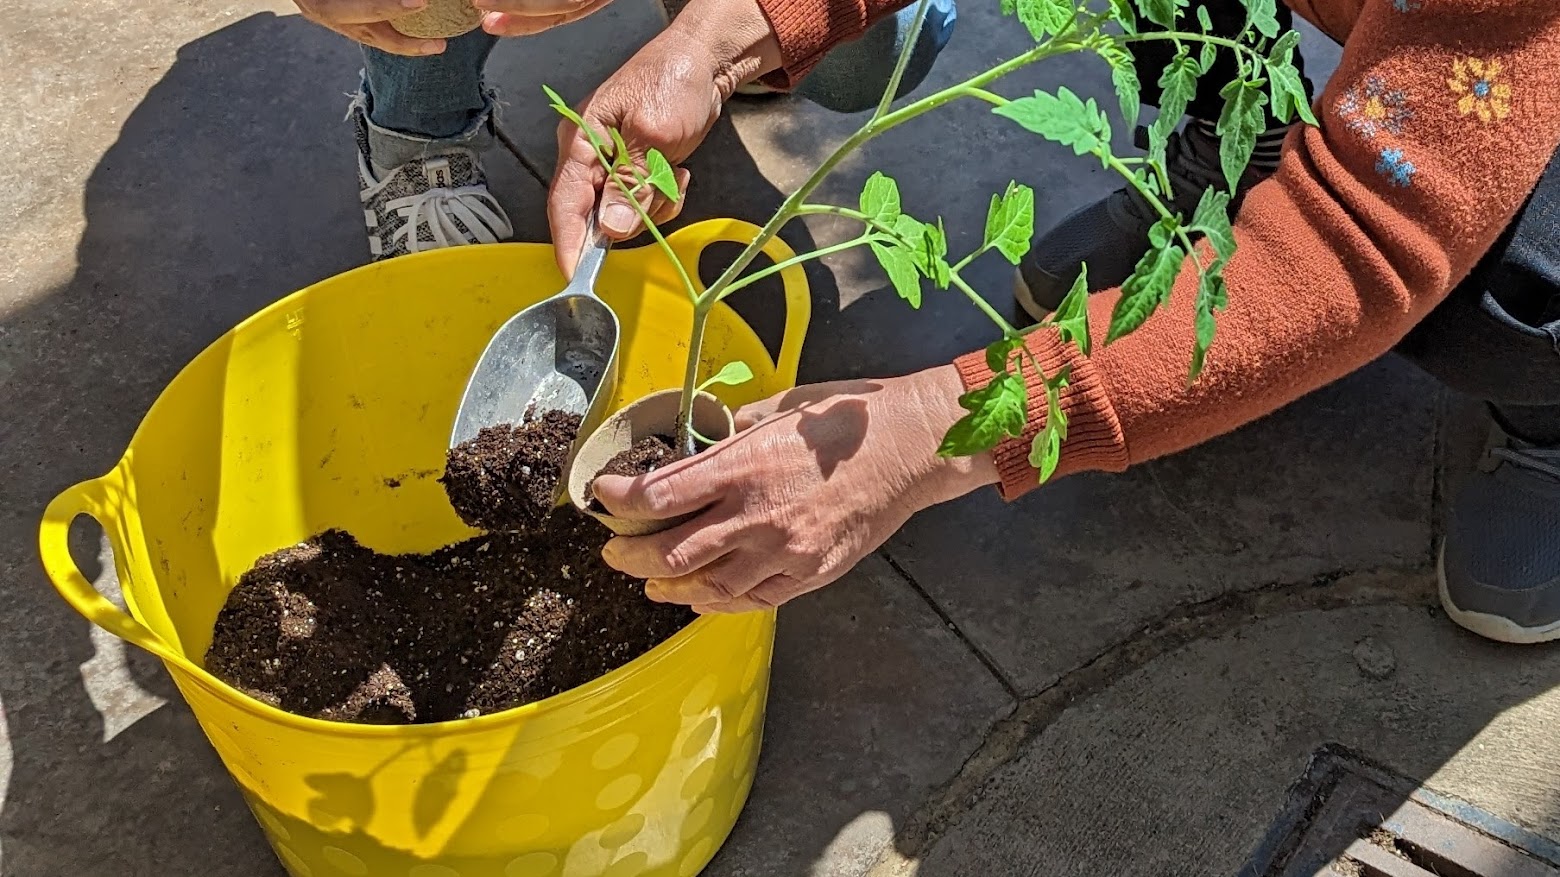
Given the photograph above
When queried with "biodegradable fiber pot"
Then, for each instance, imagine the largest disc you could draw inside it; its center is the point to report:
(652, 415)
(440, 19)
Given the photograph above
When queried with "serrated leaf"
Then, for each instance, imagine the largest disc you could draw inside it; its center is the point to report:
(1208, 55)
(1203, 20)
(732, 374)
(661, 175)
(1177, 85)
(1045, 17)
(1061, 118)
(1283, 49)
(1122, 13)
(1211, 296)
(1262, 14)
(900, 267)
(997, 411)
(880, 199)
(1046, 452)
(1009, 6)
(1147, 289)
(1239, 124)
(1000, 351)
(1161, 233)
(1289, 98)
(1123, 75)
(1160, 12)
(1010, 223)
(934, 263)
(1211, 219)
(1072, 317)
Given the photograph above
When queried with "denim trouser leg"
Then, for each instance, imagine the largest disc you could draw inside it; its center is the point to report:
(852, 77)
(1497, 336)
(416, 105)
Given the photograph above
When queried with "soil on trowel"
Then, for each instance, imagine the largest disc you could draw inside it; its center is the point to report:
(331, 629)
(506, 478)
(646, 455)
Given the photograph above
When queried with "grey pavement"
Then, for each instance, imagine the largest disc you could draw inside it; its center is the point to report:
(1118, 675)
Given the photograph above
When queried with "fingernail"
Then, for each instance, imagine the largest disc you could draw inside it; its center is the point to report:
(618, 218)
(655, 592)
(431, 47)
(414, 4)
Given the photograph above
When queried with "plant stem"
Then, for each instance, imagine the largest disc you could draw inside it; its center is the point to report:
(911, 38)
(1177, 36)
(1154, 201)
(795, 260)
(701, 315)
(985, 306)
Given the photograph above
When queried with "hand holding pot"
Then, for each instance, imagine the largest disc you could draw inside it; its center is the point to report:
(819, 477)
(368, 22)
(666, 97)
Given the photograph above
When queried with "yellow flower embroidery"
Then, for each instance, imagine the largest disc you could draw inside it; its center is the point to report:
(1480, 89)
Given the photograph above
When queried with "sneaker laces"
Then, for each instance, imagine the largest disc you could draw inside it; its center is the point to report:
(478, 212)
(1545, 461)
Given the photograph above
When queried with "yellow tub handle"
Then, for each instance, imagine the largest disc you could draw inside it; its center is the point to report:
(798, 301)
(90, 498)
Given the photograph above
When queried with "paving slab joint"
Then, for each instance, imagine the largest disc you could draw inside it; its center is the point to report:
(1008, 737)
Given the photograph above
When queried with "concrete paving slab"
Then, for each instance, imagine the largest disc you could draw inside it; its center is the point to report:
(874, 704)
(1180, 767)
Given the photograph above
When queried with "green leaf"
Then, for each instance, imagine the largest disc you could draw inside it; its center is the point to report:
(1239, 124)
(1121, 12)
(1046, 451)
(661, 175)
(1000, 351)
(1211, 296)
(1147, 289)
(1203, 21)
(1208, 55)
(1283, 49)
(1009, 6)
(1062, 118)
(732, 374)
(1161, 12)
(1289, 98)
(1212, 221)
(932, 261)
(1010, 223)
(880, 199)
(1072, 317)
(997, 411)
(900, 267)
(1123, 75)
(1178, 85)
(1046, 17)
(1263, 14)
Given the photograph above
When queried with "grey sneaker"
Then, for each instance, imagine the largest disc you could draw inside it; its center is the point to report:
(441, 200)
(1111, 234)
(1500, 563)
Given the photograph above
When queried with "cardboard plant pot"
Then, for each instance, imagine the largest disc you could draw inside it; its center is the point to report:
(652, 415)
(440, 19)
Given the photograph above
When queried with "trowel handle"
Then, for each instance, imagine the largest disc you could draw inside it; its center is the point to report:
(591, 257)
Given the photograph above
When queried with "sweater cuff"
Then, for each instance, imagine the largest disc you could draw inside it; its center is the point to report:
(1094, 438)
(807, 32)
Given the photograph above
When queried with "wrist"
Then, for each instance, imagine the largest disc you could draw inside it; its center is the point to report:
(932, 403)
(737, 37)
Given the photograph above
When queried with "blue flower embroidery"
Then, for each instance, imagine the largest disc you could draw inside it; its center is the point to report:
(1407, 5)
(1374, 108)
(1398, 170)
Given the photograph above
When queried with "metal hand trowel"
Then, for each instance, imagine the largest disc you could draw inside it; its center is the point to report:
(558, 354)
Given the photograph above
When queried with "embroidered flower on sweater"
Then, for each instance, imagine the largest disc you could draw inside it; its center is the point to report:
(1374, 108)
(1398, 170)
(1480, 89)
(1407, 5)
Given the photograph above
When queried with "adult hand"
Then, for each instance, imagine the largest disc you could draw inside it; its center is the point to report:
(522, 18)
(818, 477)
(666, 97)
(368, 22)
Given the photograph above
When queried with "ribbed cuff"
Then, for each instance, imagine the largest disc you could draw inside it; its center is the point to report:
(805, 35)
(1094, 438)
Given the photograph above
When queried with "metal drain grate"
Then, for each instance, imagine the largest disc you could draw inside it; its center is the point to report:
(1348, 818)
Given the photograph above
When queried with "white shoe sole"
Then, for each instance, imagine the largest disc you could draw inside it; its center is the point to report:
(1494, 627)
(1026, 299)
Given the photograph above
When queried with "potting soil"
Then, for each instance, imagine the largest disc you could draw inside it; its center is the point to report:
(505, 479)
(646, 455)
(333, 630)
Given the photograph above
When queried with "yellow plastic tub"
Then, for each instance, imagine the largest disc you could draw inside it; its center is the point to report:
(332, 408)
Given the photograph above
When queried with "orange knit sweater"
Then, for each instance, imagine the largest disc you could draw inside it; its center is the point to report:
(1434, 129)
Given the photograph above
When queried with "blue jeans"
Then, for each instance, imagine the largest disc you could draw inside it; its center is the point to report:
(417, 105)
(1497, 336)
